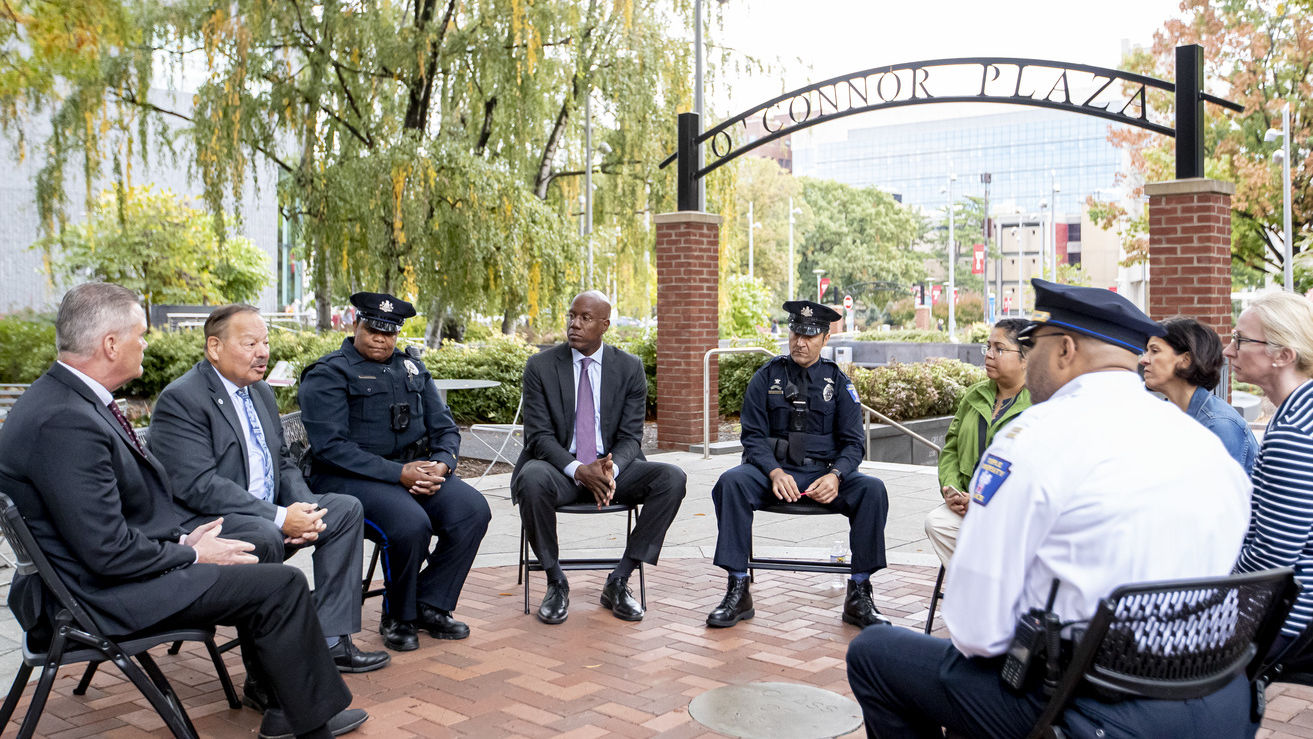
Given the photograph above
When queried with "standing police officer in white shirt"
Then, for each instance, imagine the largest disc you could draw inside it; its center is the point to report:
(1097, 485)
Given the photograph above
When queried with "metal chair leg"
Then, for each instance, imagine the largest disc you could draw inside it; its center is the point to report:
(524, 566)
(225, 679)
(87, 674)
(166, 689)
(935, 597)
(15, 691)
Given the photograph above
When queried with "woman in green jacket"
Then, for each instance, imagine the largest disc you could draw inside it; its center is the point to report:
(985, 408)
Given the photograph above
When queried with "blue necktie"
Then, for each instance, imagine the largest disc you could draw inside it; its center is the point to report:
(260, 447)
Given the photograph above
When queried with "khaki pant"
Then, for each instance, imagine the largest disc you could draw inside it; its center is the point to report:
(941, 526)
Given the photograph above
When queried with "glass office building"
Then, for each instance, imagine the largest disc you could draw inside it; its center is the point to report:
(1026, 150)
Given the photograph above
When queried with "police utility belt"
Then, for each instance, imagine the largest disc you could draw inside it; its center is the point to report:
(780, 447)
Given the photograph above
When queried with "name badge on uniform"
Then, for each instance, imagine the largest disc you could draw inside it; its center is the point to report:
(989, 478)
(775, 388)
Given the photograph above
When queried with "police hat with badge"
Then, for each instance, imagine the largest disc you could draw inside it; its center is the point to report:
(382, 312)
(1091, 311)
(807, 318)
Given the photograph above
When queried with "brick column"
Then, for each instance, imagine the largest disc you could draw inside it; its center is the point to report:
(1190, 251)
(688, 323)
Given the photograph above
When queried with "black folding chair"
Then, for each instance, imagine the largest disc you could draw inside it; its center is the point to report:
(1174, 640)
(935, 596)
(76, 639)
(531, 564)
(798, 508)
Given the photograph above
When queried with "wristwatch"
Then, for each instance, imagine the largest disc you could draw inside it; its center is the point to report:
(835, 471)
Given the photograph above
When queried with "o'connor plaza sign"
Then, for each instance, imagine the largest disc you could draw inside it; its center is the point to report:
(1118, 96)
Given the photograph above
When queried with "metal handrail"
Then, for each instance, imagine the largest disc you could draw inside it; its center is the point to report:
(867, 410)
(706, 387)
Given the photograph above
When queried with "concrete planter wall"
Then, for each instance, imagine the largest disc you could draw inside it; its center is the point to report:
(888, 444)
(874, 353)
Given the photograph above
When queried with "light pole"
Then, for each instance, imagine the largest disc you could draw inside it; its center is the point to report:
(1053, 224)
(818, 273)
(752, 226)
(1043, 240)
(985, 179)
(697, 90)
(793, 268)
(952, 258)
(588, 180)
(1287, 252)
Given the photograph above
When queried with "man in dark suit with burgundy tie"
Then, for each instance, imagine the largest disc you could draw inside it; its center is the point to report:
(101, 509)
(584, 405)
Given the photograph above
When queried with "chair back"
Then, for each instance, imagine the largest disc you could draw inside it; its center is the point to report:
(295, 437)
(32, 561)
(143, 437)
(1179, 639)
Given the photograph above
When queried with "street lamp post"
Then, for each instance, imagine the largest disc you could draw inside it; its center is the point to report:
(1287, 252)
(1053, 224)
(603, 147)
(752, 226)
(818, 273)
(793, 268)
(1043, 240)
(985, 179)
(952, 258)
(697, 90)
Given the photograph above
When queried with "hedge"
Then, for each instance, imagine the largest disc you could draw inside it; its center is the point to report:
(918, 390)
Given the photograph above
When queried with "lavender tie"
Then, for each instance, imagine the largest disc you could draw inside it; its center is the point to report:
(585, 425)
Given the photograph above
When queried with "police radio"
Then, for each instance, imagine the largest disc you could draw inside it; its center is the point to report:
(798, 408)
(1037, 636)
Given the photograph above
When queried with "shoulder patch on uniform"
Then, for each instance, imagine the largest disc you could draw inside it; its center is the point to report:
(853, 392)
(991, 473)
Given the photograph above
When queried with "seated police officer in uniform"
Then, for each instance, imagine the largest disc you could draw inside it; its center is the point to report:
(1097, 485)
(217, 431)
(378, 431)
(802, 441)
(584, 404)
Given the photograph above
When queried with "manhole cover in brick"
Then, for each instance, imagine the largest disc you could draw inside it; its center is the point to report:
(766, 710)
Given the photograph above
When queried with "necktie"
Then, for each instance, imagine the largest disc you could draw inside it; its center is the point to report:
(260, 447)
(585, 425)
(123, 421)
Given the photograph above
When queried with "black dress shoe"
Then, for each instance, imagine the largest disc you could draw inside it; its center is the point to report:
(440, 624)
(255, 695)
(349, 658)
(556, 604)
(621, 601)
(859, 608)
(736, 606)
(275, 725)
(399, 636)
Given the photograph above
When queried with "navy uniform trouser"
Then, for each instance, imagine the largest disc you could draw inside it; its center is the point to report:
(910, 685)
(745, 489)
(457, 514)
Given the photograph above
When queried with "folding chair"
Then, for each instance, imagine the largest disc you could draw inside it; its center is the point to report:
(936, 596)
(509, 429)
(797, 508)
(76, 639)
(1174, 640)
(528, 564)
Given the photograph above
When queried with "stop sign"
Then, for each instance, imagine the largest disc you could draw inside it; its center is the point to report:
(847, 302)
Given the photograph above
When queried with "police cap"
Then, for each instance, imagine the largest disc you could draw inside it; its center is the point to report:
(807, 318)
(382, 312)
(1092, 311)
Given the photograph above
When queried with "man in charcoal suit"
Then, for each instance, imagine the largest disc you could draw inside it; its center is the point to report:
(101, 509)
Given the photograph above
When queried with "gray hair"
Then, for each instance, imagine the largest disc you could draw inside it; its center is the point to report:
(89, 312)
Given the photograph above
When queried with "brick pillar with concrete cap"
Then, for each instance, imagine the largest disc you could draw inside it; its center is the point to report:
(1190, 251)
(688, 324)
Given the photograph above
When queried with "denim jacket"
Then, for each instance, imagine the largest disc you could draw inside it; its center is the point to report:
(1229, 426)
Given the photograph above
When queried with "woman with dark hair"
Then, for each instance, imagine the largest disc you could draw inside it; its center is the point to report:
(1185, 365)
(985, 408)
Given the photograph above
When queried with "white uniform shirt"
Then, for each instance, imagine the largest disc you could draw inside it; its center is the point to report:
(1100, 486)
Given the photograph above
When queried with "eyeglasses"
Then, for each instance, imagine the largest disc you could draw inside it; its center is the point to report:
(1237, 339)
(989, 349)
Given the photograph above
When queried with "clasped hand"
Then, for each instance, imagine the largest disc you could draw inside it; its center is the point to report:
(423, 477)
(823, 490)
(599, 477)
(210, 549)
(303, 523)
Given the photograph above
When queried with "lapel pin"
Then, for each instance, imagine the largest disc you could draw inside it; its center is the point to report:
(219, 401)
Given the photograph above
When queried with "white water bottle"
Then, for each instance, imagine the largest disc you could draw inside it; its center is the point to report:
(839, 555)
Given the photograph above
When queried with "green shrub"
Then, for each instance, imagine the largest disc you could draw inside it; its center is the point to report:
(918, 390)
(168, 355)
(27, 347)
(735, 372)
(910, 335)
(642, 344)
(501, 359)
(299, 349)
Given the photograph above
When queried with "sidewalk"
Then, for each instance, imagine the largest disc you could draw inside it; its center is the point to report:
(594, 675)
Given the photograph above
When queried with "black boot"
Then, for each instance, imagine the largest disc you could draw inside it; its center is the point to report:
(859, 608)
(736, 606)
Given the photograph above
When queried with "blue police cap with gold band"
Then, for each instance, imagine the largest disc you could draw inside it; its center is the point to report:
(1092, 311)
(382, 312)
(807, 318)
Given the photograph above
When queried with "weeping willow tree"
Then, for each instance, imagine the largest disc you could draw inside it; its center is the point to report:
(431, 148)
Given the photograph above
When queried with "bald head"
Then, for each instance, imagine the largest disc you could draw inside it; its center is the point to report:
(1056, 358)
(588, 319)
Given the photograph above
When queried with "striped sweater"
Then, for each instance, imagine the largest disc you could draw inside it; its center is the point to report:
(1281, 521)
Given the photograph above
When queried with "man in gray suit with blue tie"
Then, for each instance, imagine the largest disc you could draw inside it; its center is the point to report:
(584, 405)
(216, 429)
